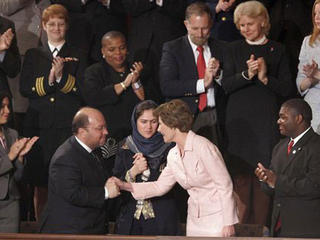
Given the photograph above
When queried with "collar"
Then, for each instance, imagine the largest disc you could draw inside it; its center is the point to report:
(296, 139)
(258, 42)
(189, 141)
(51, 47)
(89, 150)
(194, 46)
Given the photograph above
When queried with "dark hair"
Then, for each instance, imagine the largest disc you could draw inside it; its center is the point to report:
(143, 106)
(111, 35)
(175, 114)
(300, 107)
(3, 95)
(80, 120)
(198, 9)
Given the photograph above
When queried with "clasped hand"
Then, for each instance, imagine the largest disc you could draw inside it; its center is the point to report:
(211, 71)
(266, 175)
(257, 67)
(6, 39)
(21, 147)
(56, 69)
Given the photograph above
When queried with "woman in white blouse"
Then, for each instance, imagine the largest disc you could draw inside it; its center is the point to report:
(309, 72)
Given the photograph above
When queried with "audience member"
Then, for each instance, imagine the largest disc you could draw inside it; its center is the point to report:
(309, 73)
(256, 76)
(151, 24)
(190, 70)
(77, 181)
(293, 177)
(50, 78)
(290, 23)
(9, 53)
(89, 20)
(197, 165)
(8, 7)
(113, 86)
(142, 158)
(12, 152)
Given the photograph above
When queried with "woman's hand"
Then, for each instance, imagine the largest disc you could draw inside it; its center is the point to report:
(57, 64)
(139, 165)
(262, 70)
(228, 231)
(27, 147)
(253, 66)
(136, 71)
(16, 147)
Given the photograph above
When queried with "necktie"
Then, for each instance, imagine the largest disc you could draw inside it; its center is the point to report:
(201, 67)
(55, 52)
(290, 146)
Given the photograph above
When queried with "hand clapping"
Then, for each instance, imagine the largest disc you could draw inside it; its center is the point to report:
(21, 147)
(6, 39)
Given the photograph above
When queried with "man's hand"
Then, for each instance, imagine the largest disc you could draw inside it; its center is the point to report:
(211, 71)
(113, 189)
(6, 39)
(228, 231)
(266, 175)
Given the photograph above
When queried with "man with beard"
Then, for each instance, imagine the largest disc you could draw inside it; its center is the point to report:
(293, 178)
(190, 69)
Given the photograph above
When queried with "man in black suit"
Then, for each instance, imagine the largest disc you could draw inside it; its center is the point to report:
(77, 181)
(9, 53)
(293, 177)
(180, 76)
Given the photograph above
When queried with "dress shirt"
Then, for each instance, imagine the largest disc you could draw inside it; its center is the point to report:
(296, 139)
(89, 150)
(200, 82)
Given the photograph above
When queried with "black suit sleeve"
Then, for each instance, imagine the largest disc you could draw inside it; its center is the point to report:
(172, 84)
(66, 176)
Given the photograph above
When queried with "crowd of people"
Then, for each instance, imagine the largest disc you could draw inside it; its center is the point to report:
(136, 96)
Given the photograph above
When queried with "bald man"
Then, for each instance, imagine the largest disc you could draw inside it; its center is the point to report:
(77, 183)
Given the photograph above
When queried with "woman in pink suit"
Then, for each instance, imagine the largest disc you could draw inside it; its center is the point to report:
(197, 165)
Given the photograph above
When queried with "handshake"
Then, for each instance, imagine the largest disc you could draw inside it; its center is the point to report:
(114, 185)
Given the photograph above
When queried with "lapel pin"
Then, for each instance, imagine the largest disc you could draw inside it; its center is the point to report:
(294, 152)
(299, 149)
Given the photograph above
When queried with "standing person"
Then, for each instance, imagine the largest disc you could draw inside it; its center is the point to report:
(50, 79)
(151, 24)
(309, 73)
(113, 86)
(12, 152)
(197, 165)
(293, 177)
(256, 78)
(142, 158)
(9, 53)
(190, 70)
(77, 181)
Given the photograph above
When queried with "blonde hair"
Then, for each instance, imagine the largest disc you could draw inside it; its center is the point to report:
(252, 9)
(315, 31)
(55, 10)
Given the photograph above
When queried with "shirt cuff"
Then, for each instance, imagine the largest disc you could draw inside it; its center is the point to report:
(219, 78)
(2, 55)
(200, 86)
(106, 193)
(106, 4)
(58, 79)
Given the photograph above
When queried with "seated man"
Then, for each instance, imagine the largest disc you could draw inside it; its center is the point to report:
(293, 177)
(77, 183)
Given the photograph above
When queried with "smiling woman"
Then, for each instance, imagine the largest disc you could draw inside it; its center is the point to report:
(256, 78)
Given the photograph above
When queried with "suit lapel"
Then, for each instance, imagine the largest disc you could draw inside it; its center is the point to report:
(45, 52)
(296, 149)
(191, 64)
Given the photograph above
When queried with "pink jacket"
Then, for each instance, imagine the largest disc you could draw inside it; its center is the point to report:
(202, 172)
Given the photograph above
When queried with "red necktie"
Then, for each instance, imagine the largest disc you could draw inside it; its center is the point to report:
(290, 146)
(201, 67)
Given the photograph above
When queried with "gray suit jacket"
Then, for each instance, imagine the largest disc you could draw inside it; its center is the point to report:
(10, 172)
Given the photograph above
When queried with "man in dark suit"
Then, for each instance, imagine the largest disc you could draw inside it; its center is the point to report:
(77, 181)
(9, 53)
(293, 177)
(183, 76)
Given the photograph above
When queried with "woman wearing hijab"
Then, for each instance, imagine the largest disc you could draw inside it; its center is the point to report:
(141, 158)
